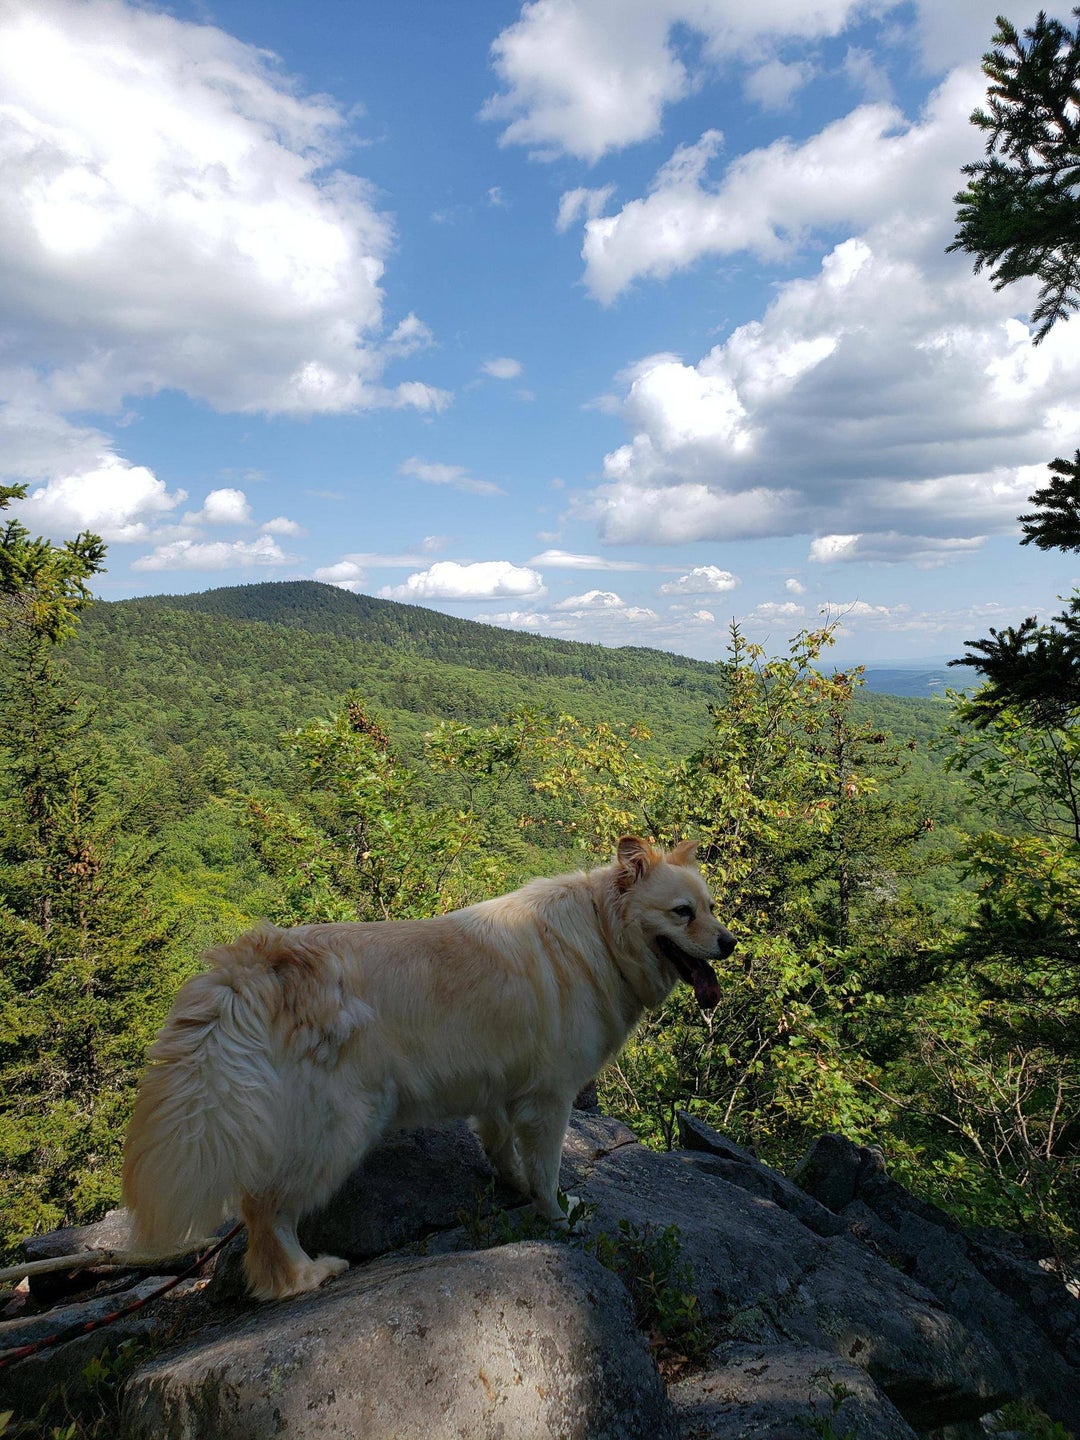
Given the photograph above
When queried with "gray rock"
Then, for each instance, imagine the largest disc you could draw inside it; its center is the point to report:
(783, 1392)
(414, 1183)
(521, 1342)
(694, 1134)
(589, 1139)
(1024, 1310)
(765, 1278)
(833, 1169)
(1037, 1284)
(742, 1167)
(113, 1232)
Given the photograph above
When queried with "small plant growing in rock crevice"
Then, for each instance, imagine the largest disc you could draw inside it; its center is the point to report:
(487, 1224)
(826, 1397)
(653, 1267)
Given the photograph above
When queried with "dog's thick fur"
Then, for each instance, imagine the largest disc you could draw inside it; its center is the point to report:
(284, 1062)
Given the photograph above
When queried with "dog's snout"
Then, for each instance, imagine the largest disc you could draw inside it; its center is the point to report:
(725, 943)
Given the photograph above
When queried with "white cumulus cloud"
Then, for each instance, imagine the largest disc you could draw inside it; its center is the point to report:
(345, 574)
(174, 216)
(481, 580)
(592, 600)
(888, 404)
(213, 555)
(223, 507)
(584, 77)
(116, 500)
(701, 580)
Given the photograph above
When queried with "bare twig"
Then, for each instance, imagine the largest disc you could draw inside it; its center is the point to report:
(92, 1259)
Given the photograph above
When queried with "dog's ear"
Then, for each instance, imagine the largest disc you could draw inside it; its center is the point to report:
(636, 858)
(684, 853)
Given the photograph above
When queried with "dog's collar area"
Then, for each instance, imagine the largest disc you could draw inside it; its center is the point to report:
(696, 972)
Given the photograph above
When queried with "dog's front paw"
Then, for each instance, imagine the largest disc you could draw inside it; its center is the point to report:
(312, 1274)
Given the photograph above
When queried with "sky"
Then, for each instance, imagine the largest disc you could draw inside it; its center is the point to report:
(613, 320)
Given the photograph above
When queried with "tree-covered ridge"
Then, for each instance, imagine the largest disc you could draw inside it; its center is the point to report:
(275, 654)
(417, 631)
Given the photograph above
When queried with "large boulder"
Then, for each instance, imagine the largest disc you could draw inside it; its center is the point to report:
(530, 1340)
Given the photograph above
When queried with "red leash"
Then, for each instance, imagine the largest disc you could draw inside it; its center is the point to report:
(72, 1332)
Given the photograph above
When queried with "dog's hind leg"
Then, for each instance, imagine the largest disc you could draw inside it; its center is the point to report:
(276, 1264)
(540, 1123)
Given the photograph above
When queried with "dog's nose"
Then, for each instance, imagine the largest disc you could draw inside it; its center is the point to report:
(725, 943)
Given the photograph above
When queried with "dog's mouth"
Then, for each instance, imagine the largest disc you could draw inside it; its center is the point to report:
(696, 972)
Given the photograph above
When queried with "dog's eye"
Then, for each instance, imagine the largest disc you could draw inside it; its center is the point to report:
(684, 912)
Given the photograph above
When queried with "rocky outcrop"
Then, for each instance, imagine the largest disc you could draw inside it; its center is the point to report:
(762, 1276)
(985, 1279)
(836, 1303)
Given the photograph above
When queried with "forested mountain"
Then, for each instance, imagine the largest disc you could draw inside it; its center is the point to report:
(325, 609)
(253, 659)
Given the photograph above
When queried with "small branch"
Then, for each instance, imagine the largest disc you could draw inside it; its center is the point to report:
(92, 1259)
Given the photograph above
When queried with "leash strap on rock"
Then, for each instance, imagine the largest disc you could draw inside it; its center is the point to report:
(87, 1327)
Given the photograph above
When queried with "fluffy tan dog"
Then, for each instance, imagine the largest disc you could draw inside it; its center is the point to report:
(281, 1065)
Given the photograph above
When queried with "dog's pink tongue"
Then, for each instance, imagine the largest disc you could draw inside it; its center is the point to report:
(706, 987)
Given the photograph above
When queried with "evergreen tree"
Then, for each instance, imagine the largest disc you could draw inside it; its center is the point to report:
(1020, 214)
(79, 988)
(43, 586)
(375, 839)
(1018, 211)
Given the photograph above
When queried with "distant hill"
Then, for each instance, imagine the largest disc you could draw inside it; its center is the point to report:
(238, 667)
(411, 629)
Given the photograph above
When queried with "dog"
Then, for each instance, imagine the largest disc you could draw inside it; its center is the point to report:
(282, 1064)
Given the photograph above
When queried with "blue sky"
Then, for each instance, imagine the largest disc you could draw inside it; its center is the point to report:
(607, 319)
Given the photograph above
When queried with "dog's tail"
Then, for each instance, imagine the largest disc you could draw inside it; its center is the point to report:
(204, 1122)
